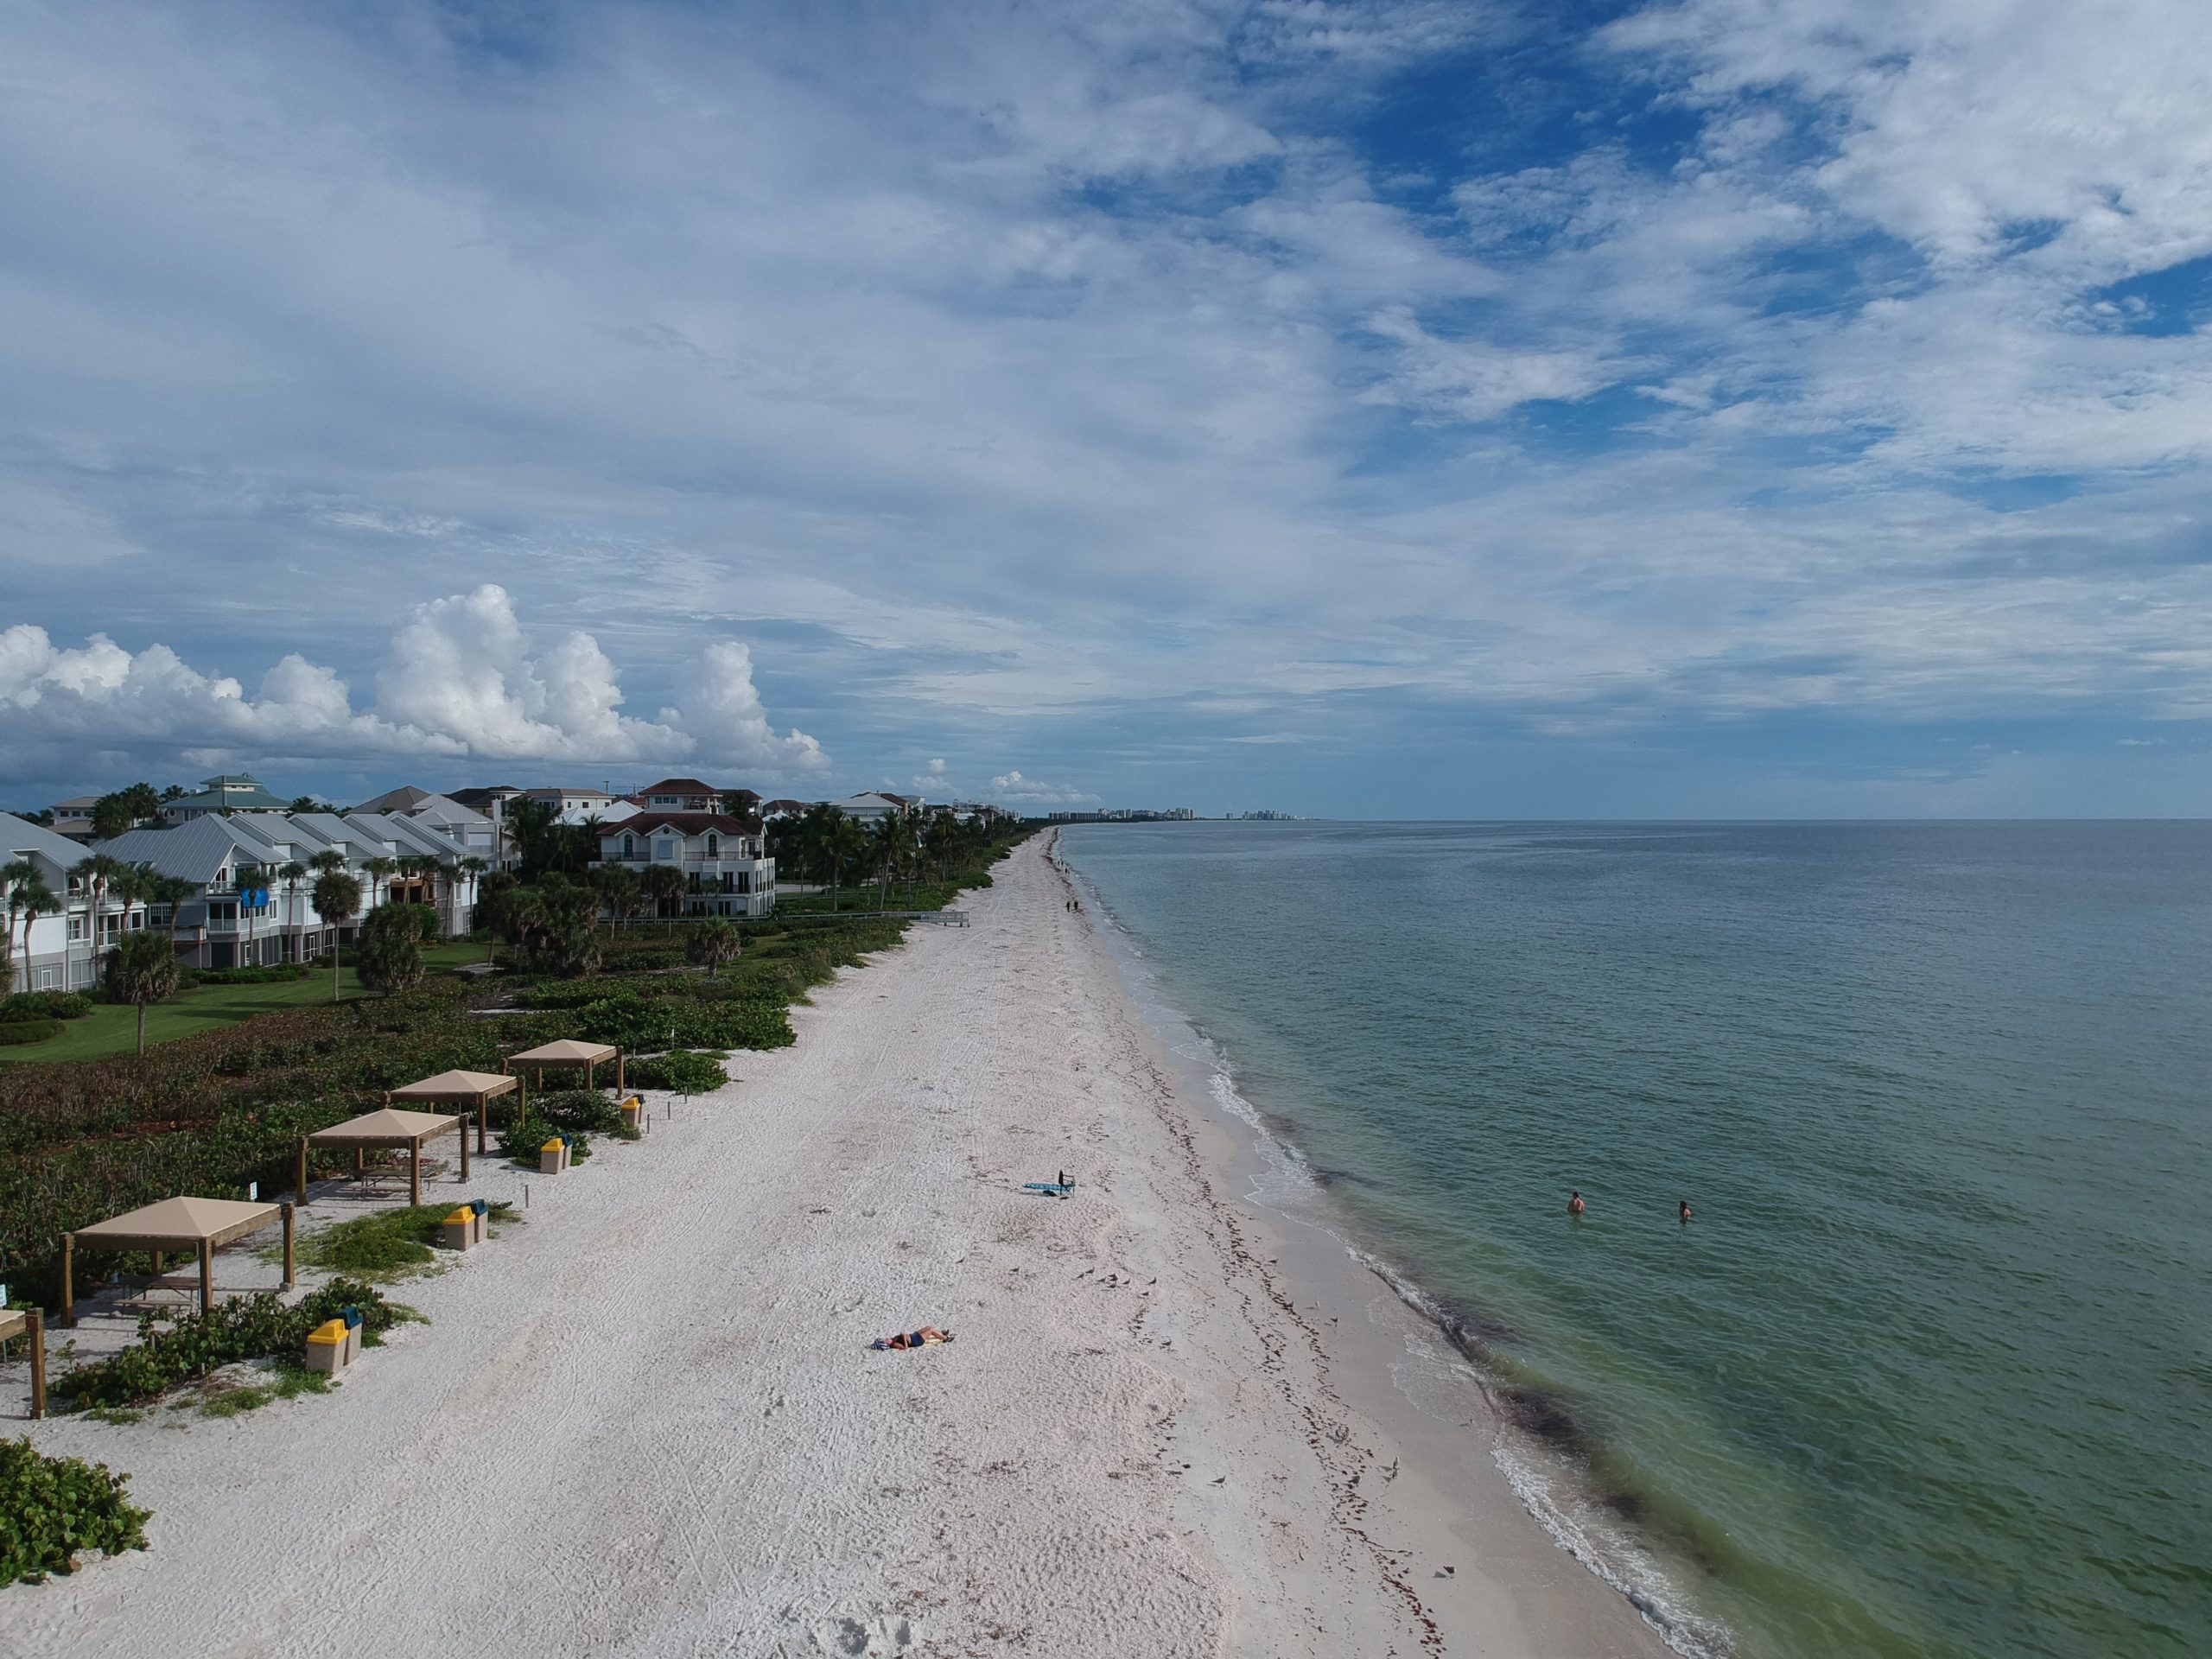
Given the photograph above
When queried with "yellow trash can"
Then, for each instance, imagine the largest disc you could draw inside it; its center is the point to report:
(328, 1347)
(553, 1157)
(458, 1230)
(631, 1108)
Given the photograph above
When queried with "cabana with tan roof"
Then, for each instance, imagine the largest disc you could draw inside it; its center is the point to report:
(201, 1225)
(568, 1052)
(477, 1088)
(387, 1128)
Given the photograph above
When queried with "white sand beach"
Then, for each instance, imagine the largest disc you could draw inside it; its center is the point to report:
(648, 1420)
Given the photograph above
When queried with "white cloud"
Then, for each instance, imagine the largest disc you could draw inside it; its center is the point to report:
(1071, 373)
(937, 768)
(1011, 786)
(463, 681)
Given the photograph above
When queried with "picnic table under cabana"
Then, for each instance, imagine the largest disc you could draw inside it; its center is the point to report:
(29, 1322)
(204, 1225)
(568, 1052)
(477, 1088)
(388, 1127)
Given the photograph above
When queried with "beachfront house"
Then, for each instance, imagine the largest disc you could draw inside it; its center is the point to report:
(726, 868)
(224, 793)
(73, 818)
(471, 831)
(492, 802)
(581, 802)
(57, 950)
(873, 804)
(246, 911)
(778, 810)
(679, 795)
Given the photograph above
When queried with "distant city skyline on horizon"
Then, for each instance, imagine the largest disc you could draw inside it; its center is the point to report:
(1372, 409)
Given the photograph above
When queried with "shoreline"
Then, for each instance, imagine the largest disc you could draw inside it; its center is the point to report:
(648, 1421)
(1400, 1364)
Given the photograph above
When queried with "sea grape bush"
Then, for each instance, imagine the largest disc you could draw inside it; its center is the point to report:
(54, 1509)
(680, 1071)
(586, 1109)
(258, 1326)
(526, 1143)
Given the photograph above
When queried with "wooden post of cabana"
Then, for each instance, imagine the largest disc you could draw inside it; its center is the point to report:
(389, 1127)
(568, 1052)
(30, 1324)
(201, 1225)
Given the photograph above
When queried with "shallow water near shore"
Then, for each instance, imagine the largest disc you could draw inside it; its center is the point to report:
(1930, 1372)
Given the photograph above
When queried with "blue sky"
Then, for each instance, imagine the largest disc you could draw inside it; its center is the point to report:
(1725, 407)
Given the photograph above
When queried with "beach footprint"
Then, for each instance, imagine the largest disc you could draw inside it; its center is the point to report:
(883, 1635)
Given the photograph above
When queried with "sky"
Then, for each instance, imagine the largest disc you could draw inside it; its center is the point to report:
(1725, 407)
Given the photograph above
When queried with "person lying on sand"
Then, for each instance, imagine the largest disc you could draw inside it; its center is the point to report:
(905, 1339)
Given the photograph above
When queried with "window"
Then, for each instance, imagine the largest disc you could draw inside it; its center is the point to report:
(629, 847)
(76, 928)
(713, 847)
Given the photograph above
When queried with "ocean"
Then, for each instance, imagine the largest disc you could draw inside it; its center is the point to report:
(1930, 1371)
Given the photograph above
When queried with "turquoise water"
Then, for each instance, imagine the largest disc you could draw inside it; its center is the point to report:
(1930, 1371)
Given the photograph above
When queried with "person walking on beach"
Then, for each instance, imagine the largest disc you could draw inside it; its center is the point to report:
(1574, 1203)
(1682, 1210)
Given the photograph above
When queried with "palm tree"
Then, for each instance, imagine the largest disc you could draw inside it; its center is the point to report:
(713, 942)
(29, 897)
(663, 884)
(499, 906)
(476, 869)
(293, 873)
(142, 969)
(379, 870)
(337, 898)
(619, 889)
(242, 879)
(173, 891)
(940, 838)
(95, 872)
(840, 840)
(531, 831)
(133, 887)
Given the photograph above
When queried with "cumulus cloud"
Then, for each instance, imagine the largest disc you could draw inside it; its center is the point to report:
(463, 680)
(1011, 786)
(1053, 380)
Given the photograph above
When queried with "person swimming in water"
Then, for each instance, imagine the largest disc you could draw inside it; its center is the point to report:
(1682, 1209)
(1574, 1203)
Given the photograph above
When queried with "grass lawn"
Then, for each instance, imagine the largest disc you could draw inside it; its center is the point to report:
(108, 1029)
(451, 953)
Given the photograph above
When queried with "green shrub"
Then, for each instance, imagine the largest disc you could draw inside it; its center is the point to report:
(43, 1005)
(584, 1110)
(51, 1509)
(679, 1070)
(389, 1245)
(278, 973)
(18, 1033)
(249, 1327)
(730, 1021)
(525, 1144)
